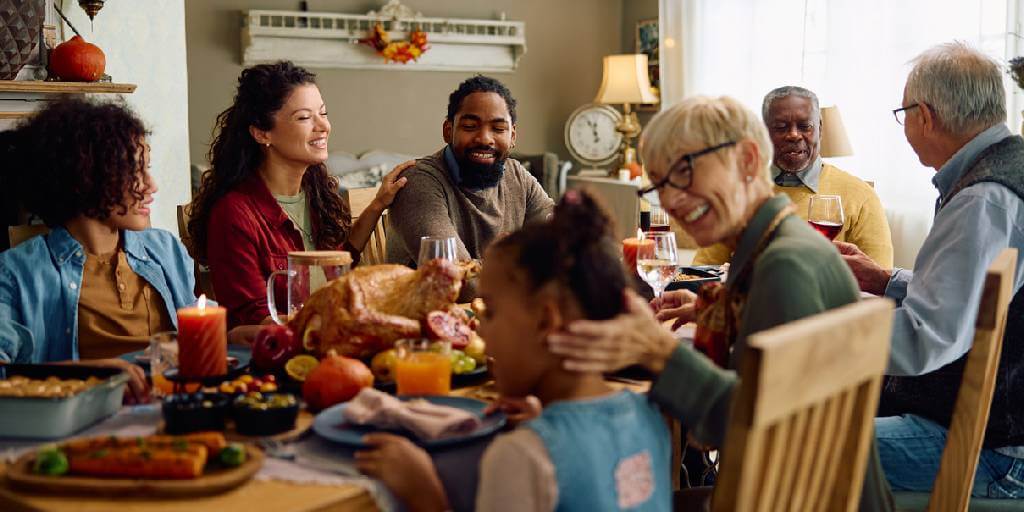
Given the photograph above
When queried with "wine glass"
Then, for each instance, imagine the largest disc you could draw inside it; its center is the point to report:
(656, 259)
(434, 247)
(825, 214)
(659, 219)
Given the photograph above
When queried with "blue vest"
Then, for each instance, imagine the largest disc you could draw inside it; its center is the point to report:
(609, 453)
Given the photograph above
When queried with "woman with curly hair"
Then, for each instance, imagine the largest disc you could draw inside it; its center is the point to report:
(101, 281)
(268, 191)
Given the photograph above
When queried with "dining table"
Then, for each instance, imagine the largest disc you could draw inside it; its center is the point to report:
(274, 489)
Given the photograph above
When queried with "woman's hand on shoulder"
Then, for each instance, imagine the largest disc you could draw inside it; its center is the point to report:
(406, 469)
(391, 183)
(632, 337)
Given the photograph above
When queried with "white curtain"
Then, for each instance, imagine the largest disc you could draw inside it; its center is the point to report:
(852, 53)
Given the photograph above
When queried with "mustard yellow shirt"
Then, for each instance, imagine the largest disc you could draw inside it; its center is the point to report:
(117, 309)
(865, 226)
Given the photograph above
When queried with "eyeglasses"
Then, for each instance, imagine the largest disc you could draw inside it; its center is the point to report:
(680, 175)
(901, 113)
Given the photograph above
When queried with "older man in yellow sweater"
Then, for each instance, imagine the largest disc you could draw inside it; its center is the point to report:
(794, 125)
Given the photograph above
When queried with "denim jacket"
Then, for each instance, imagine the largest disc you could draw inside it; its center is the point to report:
(40, 281)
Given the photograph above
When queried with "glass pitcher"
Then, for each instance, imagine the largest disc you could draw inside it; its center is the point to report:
(308, 271)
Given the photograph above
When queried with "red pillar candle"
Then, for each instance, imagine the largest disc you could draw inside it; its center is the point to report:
(630, 249)
(202, 340)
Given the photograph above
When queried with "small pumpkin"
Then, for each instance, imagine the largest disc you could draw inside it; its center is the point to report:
(76, 60)
(336, 379)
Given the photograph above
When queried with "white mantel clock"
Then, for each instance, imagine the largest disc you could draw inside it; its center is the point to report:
(591, 137)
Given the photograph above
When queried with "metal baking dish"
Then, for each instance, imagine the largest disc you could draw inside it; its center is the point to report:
(52, 418)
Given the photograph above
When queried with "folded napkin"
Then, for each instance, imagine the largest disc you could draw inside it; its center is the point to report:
(424, 419)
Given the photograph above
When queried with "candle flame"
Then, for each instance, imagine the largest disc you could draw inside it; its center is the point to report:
(639, 234)
(202, 303)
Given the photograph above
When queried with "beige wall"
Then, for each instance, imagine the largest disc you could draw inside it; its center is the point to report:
(402, 110)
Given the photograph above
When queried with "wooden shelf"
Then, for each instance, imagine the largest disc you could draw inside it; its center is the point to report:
(14, 115)
(39, 87)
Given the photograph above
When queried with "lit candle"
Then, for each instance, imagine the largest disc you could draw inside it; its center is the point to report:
(630, 248)
(202, 340)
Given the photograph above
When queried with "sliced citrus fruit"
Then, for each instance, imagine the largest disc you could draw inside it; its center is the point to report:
(299, 366)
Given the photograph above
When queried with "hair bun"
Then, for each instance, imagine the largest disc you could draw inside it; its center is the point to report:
(580, 219)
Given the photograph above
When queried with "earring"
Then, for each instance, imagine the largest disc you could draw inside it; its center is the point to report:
(267, 144)
(750, 178)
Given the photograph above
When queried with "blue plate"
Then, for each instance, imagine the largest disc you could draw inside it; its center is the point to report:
(330, 424)
(240, 352)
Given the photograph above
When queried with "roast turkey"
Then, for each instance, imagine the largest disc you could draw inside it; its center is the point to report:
(368, 309)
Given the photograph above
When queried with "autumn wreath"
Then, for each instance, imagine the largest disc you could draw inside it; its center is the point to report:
(396, 51)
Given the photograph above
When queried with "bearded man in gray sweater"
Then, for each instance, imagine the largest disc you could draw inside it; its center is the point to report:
(470, 189)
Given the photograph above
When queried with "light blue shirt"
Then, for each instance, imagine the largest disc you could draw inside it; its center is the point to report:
(41, 279)
(810, 176)
(938, 301)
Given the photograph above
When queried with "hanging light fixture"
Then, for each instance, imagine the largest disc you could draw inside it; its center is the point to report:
(91, 7)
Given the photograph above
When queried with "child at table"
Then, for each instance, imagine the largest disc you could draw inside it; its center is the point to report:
(592, 448)
(101, 281)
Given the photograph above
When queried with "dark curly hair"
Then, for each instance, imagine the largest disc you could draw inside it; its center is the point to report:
(76, 157)
(480, 83)
(574, 248)
(235, 155)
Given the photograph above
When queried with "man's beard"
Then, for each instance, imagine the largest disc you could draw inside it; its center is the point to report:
(476, 175)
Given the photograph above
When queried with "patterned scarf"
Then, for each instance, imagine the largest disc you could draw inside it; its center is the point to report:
(720, 307)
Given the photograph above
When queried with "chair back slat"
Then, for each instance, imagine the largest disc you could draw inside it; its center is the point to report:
(807, 394)
(360, 198)
(19, 233)
(204, 281)
(953, 483)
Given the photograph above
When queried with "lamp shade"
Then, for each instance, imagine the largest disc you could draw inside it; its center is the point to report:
(625, 80)
(834, 141)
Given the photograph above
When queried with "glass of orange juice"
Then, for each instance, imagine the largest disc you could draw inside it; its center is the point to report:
(423, 367)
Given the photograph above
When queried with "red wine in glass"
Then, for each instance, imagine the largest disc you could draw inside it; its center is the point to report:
(659, 227)
(825, 214)
(829, 229)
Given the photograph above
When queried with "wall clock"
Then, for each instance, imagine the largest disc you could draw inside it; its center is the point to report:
(590, 134)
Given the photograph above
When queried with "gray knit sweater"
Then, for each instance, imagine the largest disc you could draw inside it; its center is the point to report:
(430, 204)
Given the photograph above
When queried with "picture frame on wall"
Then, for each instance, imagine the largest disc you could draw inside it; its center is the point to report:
(647, 43)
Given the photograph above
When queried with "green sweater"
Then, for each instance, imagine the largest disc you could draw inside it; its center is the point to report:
(798, 274)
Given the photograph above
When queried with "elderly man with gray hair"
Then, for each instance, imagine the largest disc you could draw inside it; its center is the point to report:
(953, 115)
(793, 119)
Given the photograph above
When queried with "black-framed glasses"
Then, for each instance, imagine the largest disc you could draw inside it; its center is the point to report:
(680, 175)
(901, 113)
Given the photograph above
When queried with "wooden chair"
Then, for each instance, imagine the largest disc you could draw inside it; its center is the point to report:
(953, 483)
(204, 283)
(803, 414)
(20, 233)
(358, 200)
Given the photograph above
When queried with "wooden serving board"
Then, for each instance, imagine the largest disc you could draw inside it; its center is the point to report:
(21, 477)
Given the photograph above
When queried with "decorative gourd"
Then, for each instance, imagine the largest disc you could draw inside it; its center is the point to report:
(75, 60)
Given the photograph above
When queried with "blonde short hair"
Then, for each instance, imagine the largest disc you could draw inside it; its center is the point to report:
(699, 122)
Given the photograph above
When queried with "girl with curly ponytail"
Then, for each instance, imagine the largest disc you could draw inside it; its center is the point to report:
(592, 447)
(268, 191)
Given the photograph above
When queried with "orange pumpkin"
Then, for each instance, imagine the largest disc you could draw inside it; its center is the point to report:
(75, 60)
(336, 379)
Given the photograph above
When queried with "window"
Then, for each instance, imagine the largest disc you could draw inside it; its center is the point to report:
(853, 54)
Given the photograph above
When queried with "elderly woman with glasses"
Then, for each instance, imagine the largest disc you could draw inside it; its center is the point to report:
(708, 158)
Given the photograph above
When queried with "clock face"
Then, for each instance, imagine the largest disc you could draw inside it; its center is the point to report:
(591, 136)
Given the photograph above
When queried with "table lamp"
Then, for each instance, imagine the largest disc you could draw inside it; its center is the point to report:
(625, 81)
(834, 141)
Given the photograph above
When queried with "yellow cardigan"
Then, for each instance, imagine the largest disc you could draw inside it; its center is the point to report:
(865, 226)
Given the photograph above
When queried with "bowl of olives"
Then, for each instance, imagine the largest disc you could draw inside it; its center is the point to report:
(264, 414)
(194, 412)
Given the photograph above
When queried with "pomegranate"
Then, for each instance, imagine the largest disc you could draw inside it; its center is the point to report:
(336, 379)
(445, 326)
